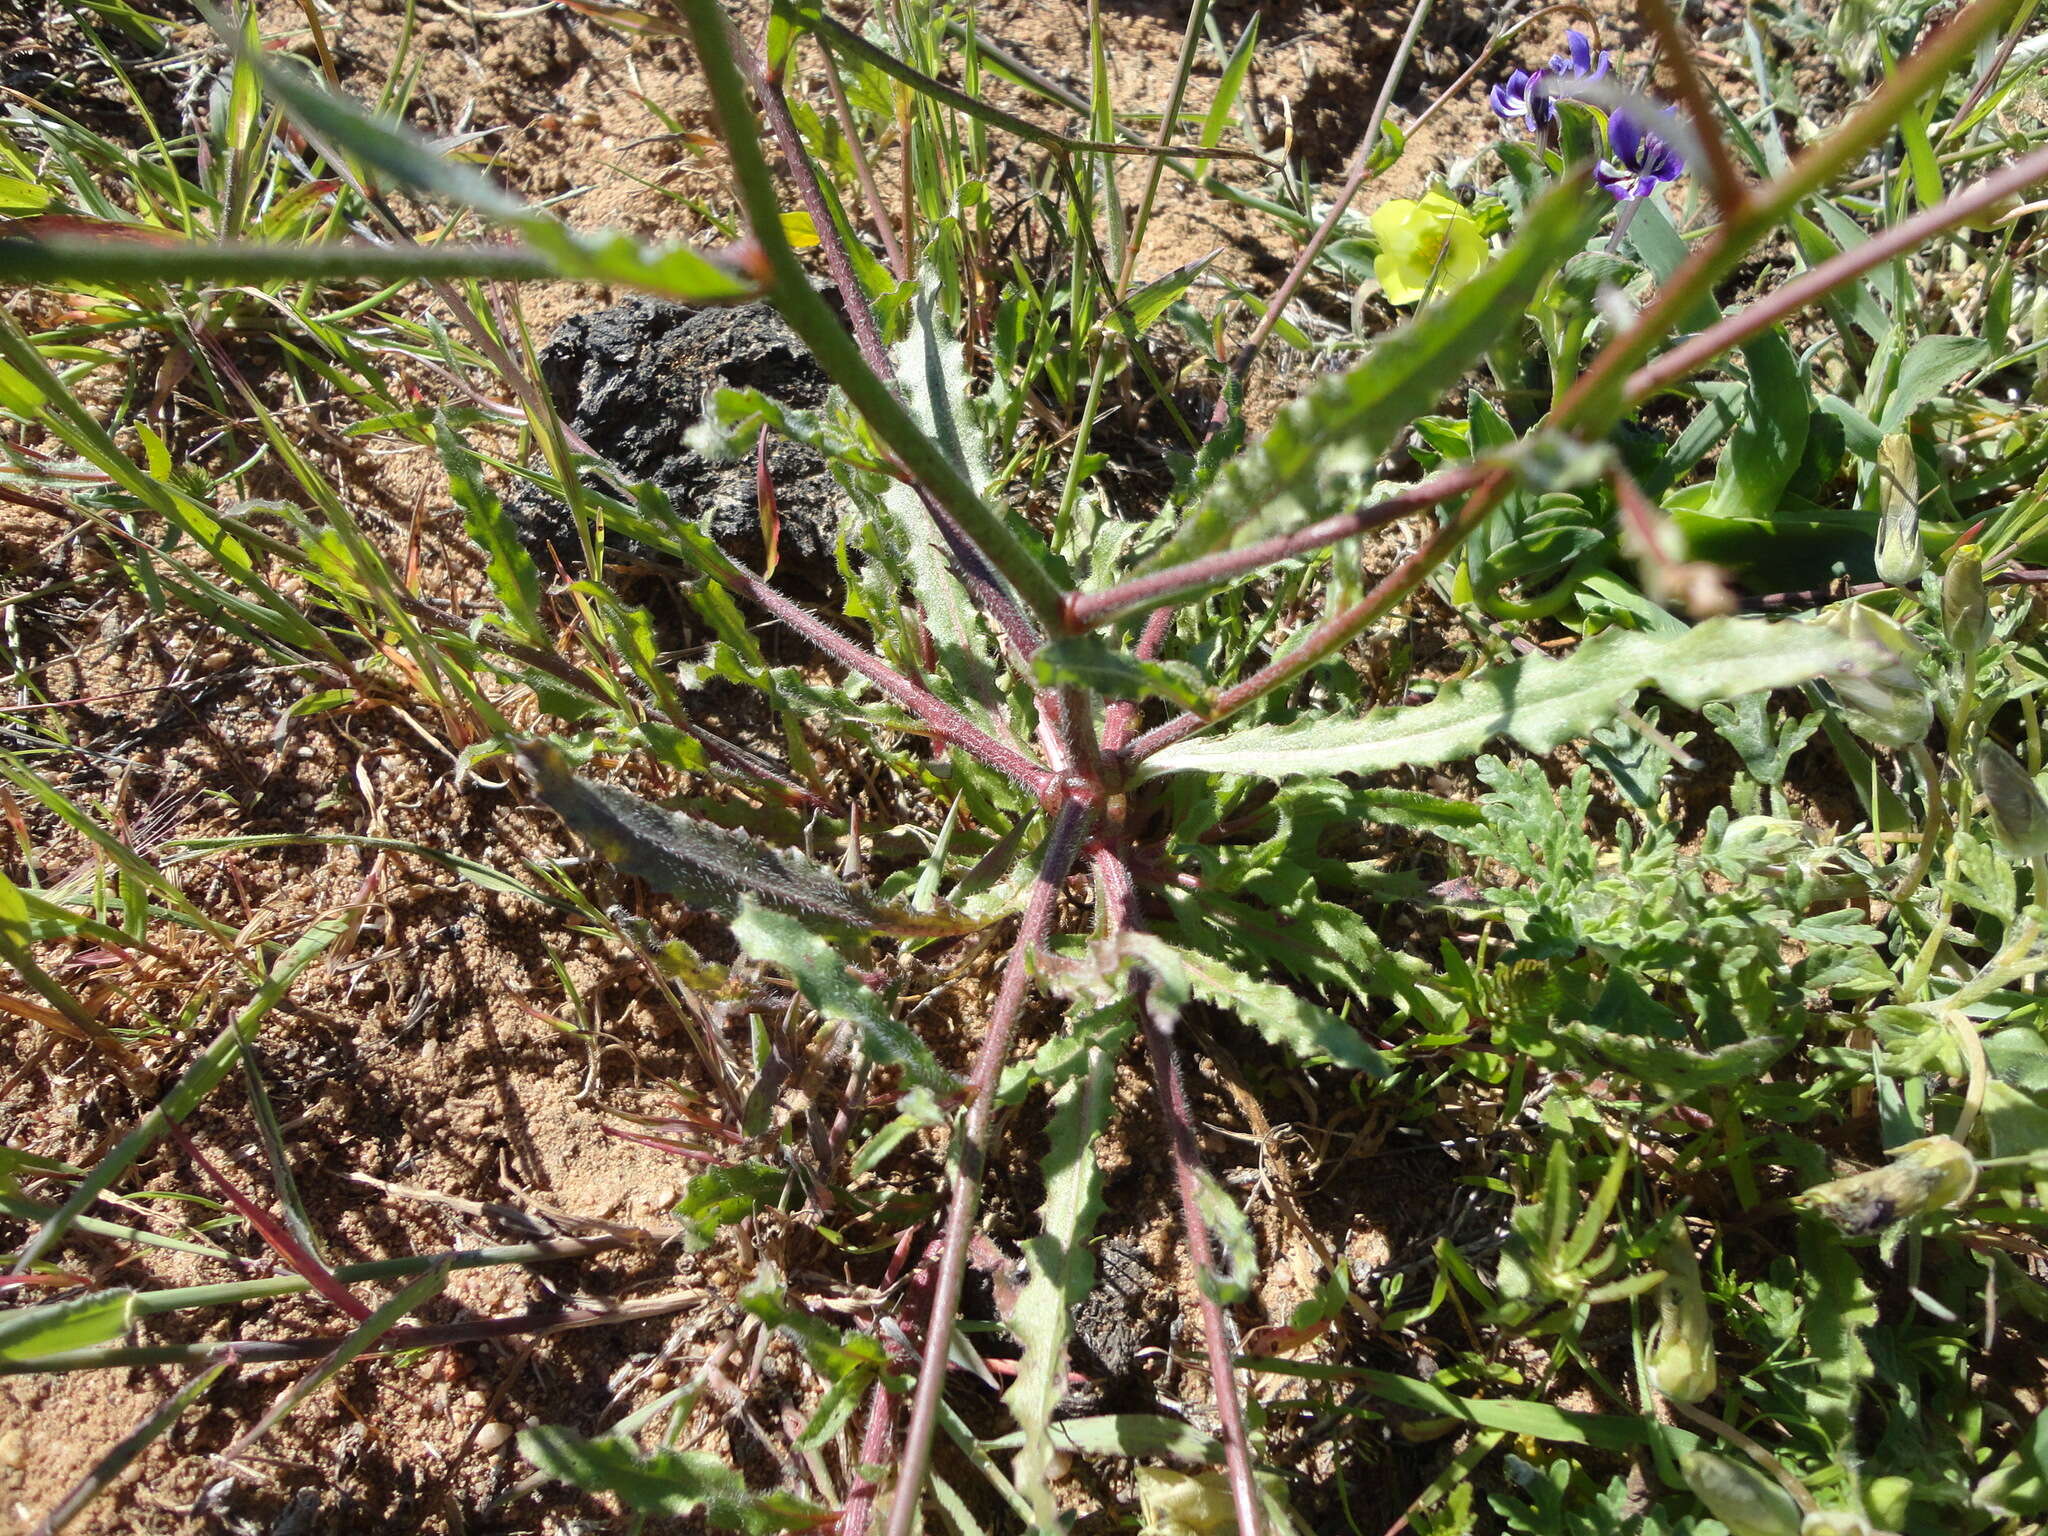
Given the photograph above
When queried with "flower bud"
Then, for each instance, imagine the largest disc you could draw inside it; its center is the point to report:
(1887, 704)
(1682, 1347)
(1886, 1498)
(1740, 1497)
(1930, 1174)
(2019, 813)
(1900, 557)
(1965, 615)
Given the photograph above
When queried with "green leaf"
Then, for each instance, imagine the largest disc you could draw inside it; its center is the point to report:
(18, 197)
(1933, 363)
(1228, 85)
(931, 368)
(1062, 1269)
(1535, 700)
(718, 1197)
(1313, 1035)
(836, 993)
(669, 1483)
(1674, 1069)
(1325, 445)
(1839, 1306)
(80, 1323)
(1089, 661)
(1764, 450)
(1156, 297)
(1128, 1434)
(513, 575)
(710, 867)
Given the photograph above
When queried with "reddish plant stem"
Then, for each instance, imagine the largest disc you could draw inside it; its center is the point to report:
(1086, 609)
(871, 194)
(946, 721)
(1724, 181)
(1336, 631)
(1120, 902)
(874, 1452)
(274, 1232)
(1122, 717)
(973, 1145)
(1978, 198)
(1018, 628)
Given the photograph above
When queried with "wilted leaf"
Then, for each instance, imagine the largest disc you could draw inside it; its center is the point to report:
(709, 867)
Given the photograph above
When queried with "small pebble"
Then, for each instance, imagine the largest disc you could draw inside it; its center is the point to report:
(493, 1435)
(13, 1449)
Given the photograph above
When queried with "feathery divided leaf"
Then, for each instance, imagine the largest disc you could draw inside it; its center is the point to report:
(1536, 701)
(709, 867)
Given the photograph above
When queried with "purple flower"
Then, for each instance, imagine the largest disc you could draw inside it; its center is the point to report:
(1583, 63)
(1524, 95)
(1639, 160)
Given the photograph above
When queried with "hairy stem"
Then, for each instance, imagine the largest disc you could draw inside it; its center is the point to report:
(1119, 899)
(934, 711)
(808, 315)
(1087, 609)
(1338, 630)
(972, 1146)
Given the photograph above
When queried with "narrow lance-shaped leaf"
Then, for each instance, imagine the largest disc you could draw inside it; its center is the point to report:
(1337, 432)
(1062, 1271)
(709, 867)
(836, 993)
(1535, 701)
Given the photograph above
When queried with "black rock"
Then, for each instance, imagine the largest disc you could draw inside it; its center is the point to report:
(633, 380)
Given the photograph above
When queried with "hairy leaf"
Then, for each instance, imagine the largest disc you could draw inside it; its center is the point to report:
(670, 1483)
(1536, 701)
(1313, 1035)
(1335, 434)
(1092, 662)
(836, 992)
(709, 867)
(1062, 1270)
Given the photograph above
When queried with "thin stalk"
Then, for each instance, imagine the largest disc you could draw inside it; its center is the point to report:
(1359, 172)
(943, 718)
(981, 578)
(545, 1319)
(78, 259)
(1087, 609)
(1337, 631)
(1724, 182)
(550, 1250)
(973, 1145)
(1122, 716)
(871, 194)
(1119, 898)
(1190, 41)
(836, 352)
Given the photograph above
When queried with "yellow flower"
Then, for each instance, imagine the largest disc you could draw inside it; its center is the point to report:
(1433, 245)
